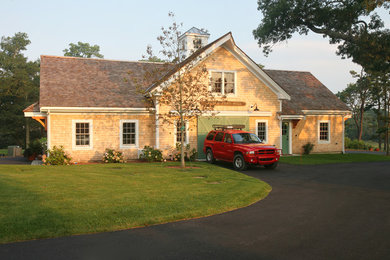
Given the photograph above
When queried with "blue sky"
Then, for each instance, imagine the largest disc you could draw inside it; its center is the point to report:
(123, 29)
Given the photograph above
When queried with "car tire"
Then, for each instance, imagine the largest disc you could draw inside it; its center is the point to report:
(210, 156)
(271, 166)
(239, 163)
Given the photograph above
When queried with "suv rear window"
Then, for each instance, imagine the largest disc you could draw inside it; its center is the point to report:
(219, 137)
(210, 136)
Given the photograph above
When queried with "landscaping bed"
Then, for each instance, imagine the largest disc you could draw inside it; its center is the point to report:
(333, 158)
(51, 201)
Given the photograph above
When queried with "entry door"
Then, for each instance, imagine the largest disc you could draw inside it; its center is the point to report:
(285, 137)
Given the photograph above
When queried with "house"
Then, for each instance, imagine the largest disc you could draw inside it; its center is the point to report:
(87, 106)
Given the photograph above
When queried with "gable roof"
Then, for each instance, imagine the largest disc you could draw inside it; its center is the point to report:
(82, 82)
(306, 92)
(195, 30)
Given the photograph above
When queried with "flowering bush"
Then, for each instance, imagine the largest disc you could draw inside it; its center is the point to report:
(112, 156)
(151, 155)
(189, 154)
(57, 156)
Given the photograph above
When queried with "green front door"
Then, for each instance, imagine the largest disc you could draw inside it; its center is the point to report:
(285, 137)
(205, 125)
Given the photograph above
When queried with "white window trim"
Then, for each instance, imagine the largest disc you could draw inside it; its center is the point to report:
(266, 129)
(223, 86)
(187, 141)
(318, 131)
(128, 146)
(82, 147)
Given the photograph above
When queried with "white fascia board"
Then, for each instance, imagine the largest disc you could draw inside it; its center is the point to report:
(97, 109)
(34, 114)
(258, 72)
(209, 50)
(292, 116)
(326, 112)
(239, 113)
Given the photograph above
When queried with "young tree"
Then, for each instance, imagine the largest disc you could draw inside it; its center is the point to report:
(19, 87)
(187, 94)
(358, 31)
(83, 50)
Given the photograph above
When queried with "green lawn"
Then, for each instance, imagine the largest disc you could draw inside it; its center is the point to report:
(333, 158)
(52, 201)
(4, 151)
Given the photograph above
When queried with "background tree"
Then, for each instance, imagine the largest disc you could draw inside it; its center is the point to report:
(356, 96)
(353, 25)
(83, 50)
(19, 87)
(188, 96)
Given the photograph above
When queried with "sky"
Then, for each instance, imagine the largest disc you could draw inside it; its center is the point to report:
(123, 29)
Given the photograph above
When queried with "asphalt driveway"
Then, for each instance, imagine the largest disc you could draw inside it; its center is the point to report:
(313, 212)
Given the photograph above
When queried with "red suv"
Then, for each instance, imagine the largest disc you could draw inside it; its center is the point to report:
(230, 143)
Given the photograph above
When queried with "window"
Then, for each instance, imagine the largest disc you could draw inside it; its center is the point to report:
(82, 134)
(128, 134)
(178, 132)
(262, 130)
(219, 137)
(228, 138)
(323, 131)
(197, 43)
(210, 136)
(223, 82)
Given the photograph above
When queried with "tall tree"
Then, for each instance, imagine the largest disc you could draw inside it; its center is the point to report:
(188, 95)
(353, 25)
(19, 87)
(83, 50)
(356, 96)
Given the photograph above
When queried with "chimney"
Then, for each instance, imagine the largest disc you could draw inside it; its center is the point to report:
(192, 40)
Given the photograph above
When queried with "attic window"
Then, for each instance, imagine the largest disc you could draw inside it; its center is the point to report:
(227, 78)
(197, 43)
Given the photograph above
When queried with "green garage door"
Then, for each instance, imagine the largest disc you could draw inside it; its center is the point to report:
(205, 125)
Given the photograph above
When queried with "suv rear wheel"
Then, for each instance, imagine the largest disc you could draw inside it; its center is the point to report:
(210, 156)
(239, 163)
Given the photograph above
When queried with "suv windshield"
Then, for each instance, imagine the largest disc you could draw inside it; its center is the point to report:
(246, 138)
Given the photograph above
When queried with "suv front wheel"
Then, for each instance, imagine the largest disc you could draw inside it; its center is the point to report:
(210, 156)
(239, 163)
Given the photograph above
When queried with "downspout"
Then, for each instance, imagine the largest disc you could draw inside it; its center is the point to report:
(157, 106)
(48, 129)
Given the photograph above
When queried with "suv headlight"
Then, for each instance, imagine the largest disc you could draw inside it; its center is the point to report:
(251, 152)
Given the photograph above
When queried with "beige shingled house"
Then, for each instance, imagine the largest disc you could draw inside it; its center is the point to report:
(87, 106)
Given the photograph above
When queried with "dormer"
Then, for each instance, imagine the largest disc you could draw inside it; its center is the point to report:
(192, 40)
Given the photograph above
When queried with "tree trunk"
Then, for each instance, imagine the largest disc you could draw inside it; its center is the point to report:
(27, 133)
(182, 128)
(360, 131)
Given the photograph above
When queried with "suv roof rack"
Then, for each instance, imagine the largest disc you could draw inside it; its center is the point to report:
(228, 127)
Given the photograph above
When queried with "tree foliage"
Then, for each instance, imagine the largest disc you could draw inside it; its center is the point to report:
(83, 50)
(19, 87)
(352, 24)
(187, 96)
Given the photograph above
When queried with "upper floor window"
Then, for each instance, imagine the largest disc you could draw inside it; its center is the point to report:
(128, 133)
(223, 82)
(323, 131)
(197, 43)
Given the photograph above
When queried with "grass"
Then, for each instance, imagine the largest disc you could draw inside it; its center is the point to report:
(51, 201)
(333, 158)
(4, 151)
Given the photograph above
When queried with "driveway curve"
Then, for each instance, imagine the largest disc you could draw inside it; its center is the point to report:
(339, 211)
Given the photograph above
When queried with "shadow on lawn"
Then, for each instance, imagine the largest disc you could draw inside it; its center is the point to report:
(23, 215)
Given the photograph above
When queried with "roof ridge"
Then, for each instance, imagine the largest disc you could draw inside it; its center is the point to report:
(98, 59)
(301, 71)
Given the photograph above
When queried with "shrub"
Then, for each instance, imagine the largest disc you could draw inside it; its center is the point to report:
(112, 156)
(57, 156)
(36, 147)
(307, 148)
(189, 154)
(151, 155)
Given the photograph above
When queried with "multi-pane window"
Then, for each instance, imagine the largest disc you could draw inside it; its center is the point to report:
(82, 134)
(178, 132)
(129, 133)
(262, 131)
(222, 82)
(324, 131)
